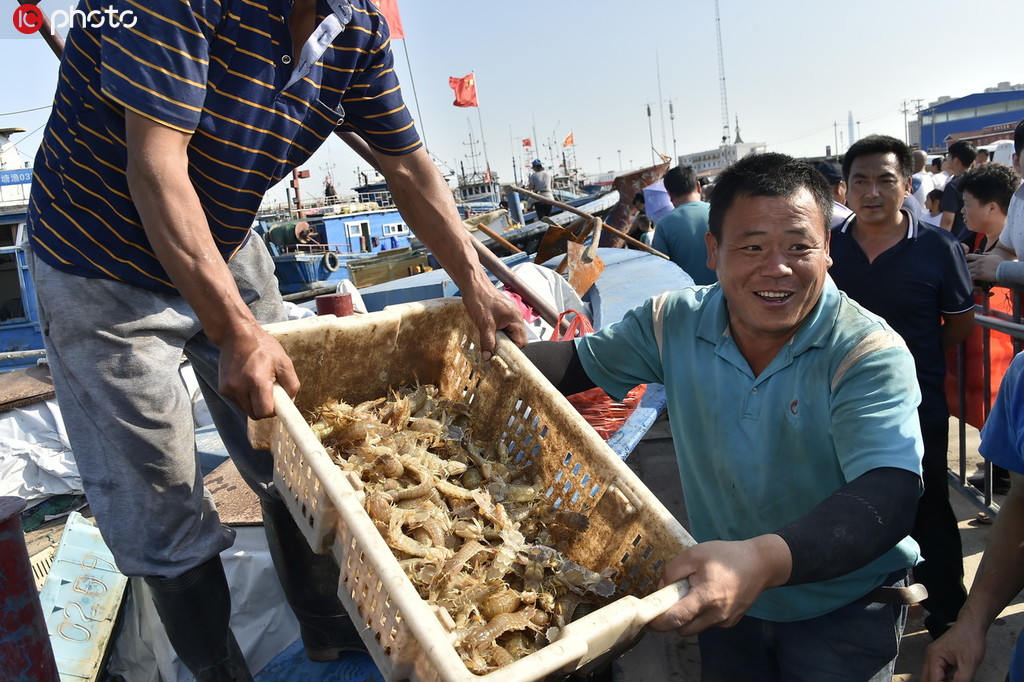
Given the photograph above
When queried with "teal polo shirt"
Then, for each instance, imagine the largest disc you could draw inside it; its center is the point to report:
(756, 453)
(680, 236)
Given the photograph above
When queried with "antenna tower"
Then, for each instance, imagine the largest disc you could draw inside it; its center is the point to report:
(721, 78)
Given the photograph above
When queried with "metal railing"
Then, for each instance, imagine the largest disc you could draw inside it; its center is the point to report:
(989, 321)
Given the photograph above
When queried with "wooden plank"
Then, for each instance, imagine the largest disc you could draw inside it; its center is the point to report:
(236, 503)
(22, 387)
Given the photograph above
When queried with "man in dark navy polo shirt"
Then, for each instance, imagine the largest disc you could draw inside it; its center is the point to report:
(960, 156)
(164, 137)
(915, 277)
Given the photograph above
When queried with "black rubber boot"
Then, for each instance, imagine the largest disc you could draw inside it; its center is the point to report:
(195, 608)
(310, 583)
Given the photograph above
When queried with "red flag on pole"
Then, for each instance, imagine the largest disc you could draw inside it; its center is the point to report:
(389, 8)
(568, 141)
(465, 91)
(527, 142)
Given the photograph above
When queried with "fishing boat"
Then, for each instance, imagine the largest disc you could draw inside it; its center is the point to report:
(360, 242)
(20, 333)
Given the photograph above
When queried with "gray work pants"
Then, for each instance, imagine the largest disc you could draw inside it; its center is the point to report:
(114, 352)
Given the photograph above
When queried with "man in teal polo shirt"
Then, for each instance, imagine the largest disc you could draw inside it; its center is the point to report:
(793, 413)
(680, 234)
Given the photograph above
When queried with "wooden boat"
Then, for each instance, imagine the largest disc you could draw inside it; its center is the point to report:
(366, 245)
(21, 339)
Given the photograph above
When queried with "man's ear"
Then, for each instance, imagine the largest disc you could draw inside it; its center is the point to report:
(712, 246)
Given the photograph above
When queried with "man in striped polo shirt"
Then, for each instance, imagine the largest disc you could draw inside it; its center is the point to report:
(163, 140)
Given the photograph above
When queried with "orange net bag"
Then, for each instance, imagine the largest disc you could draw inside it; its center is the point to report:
(606, 415)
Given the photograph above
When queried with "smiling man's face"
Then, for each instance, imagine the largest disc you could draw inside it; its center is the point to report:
(772, 261)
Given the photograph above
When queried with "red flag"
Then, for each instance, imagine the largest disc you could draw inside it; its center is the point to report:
(527, 142)
(568, 141)
(487, 175)
(465, 91)
(389, 8)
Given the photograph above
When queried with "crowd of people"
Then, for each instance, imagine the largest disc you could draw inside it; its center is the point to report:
(909, 249)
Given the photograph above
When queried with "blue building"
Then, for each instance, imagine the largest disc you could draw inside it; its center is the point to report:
(971, 114)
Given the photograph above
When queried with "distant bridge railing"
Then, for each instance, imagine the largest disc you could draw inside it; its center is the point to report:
(990, 322)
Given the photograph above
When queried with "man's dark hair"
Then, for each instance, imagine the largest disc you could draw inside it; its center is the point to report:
(879, 144)
(991, 182)
(767, 175)
(934, 195)
(680, 181)
(963, 151)
(1018, 138)
(937, 162)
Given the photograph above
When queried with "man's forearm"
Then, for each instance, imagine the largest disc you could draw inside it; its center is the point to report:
(1010, 272)
(560, 363)
(956, 328)
(853, 526)
(176, 227)
(947, 221)
(1000, 576)
(426, 202)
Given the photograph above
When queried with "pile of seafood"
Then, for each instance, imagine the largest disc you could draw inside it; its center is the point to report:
(466, 521)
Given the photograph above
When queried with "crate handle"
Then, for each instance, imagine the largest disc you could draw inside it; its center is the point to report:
(657, 603)
(631, 502)
(614, 628)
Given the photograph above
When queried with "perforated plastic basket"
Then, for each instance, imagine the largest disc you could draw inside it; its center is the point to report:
(359, 358)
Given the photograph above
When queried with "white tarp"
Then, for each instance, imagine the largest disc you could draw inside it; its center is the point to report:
(36, 461)
(35, 456)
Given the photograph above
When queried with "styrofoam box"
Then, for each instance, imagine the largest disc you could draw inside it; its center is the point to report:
(359, 358)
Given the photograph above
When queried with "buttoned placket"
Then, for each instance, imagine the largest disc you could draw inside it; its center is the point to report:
(750, 407)
(319, 40)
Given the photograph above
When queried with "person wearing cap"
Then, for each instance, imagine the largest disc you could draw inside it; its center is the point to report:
(540, 182)
(834, 175)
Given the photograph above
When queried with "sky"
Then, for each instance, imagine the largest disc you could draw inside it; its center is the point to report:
(794, 71)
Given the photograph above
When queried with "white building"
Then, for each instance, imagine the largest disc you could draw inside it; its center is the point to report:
(713, 161)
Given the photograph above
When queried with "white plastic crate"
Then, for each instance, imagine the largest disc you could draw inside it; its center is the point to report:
(358, 358)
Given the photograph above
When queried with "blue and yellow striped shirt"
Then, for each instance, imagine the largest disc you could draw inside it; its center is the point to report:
(223, 72)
